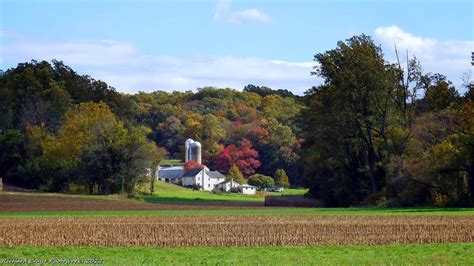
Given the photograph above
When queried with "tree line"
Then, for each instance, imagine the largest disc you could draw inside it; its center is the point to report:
(61, 131)
(64, 132)
(374, 133)
(378, 133)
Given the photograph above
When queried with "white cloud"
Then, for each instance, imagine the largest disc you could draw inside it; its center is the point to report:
(222, 9)
(249, 15)
(128, 69)
(79, 53)
(223, 13)
(448, 57)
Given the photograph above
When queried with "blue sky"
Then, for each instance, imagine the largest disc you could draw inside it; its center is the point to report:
(182, 45)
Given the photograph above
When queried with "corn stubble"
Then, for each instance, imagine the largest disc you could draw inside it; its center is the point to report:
(178, 231)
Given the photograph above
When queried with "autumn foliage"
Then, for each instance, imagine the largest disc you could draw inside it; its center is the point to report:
(190, 165)
(243, 155)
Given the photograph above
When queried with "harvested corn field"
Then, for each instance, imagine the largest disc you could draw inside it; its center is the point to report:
(175, 231)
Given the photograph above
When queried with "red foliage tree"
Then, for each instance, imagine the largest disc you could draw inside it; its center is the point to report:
(223, 160)
(190, 165)
(244, 156)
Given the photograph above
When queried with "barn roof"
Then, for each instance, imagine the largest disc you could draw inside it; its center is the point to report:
(215, 174)
(228, 181)
(170, 172)
(192, 172)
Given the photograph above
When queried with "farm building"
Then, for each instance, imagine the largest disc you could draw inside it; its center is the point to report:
(171, 174)
(275, 189)
(192, 151)
(203, 177)
(227, 185)
(247, 189)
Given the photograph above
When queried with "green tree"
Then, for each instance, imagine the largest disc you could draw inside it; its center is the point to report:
(169, 134)
(156, 156)
(92, 148)
(62, 153)
(346, 122)
(234, 173)
(117, 159)
(213, 133)
(439, 93)
(261, 181)
(437, 165)
(281, 179)
(282, 109)
(452, 159)
(31, 94)
(12, 155)
(278, 147)
(38, 93)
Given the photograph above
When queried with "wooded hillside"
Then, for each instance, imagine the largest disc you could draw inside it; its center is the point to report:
(373, 133)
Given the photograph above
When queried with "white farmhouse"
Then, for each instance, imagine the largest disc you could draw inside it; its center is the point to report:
(203, 177)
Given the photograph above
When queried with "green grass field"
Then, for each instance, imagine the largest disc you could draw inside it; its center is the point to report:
(166, 192)
(171, 162)
(255, 211)
(412, 254)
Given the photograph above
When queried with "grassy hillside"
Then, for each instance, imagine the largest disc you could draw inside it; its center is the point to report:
(171, 162)
(166, 192)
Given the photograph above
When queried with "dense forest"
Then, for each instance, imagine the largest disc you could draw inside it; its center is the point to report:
(374, 133)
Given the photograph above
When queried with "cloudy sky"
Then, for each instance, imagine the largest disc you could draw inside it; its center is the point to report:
(149, 45)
